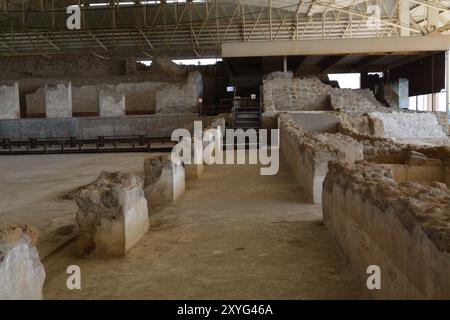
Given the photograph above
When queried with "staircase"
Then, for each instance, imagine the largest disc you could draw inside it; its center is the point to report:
(246, 115)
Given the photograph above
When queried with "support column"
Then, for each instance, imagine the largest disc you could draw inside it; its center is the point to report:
(285, 64)
(404, 16)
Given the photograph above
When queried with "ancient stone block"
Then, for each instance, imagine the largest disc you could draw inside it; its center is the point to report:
(9, 101)
(112, 214)
(58, 99)
(164, 181)
(22, 274)
(112, 102)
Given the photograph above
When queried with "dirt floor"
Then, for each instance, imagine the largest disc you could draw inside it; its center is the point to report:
(233, 235)
(30, 187)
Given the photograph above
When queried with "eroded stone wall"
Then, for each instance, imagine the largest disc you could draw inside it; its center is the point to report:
(285, 93)
(145, 97)
(58, 66)
(401, 227)
(308, 154)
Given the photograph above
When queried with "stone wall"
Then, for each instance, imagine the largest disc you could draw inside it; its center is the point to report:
(180, 98)
(58, 66)
(285, 93)
(9, 100)
(308, 154)
(144, 97)
(401, 227)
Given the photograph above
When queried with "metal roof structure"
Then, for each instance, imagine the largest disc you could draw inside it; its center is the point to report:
(198, 28)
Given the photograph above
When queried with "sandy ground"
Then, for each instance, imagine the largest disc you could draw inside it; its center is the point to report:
(31, 185)
(233, 235)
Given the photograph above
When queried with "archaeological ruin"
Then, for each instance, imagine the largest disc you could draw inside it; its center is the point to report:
(188, 150)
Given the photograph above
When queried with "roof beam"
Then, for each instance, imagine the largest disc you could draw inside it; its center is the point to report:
(337, 46)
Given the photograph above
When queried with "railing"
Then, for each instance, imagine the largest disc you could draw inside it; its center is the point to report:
(75, 145)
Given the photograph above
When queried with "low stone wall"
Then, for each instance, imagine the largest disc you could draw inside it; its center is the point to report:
(92, 127)
(402, 228)
(308, 154)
